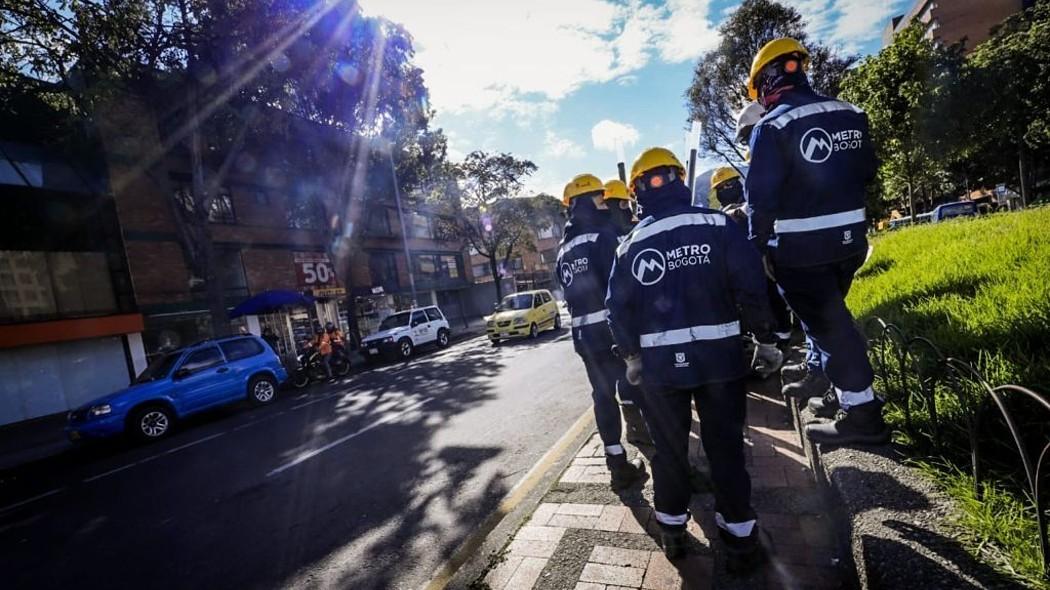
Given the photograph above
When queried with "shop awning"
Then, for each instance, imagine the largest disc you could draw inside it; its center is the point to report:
(269, 301)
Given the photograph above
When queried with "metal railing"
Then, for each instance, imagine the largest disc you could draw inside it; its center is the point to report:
(934, 390)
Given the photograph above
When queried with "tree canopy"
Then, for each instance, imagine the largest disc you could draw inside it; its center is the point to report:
(719, 87)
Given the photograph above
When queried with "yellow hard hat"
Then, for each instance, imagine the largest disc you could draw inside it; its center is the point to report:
(616, 189)
(654, 157)
(723, 174)
(770, 52)
(581, 184)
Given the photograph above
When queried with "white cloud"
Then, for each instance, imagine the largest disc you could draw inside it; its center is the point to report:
(562, 147)
(847, 24)
(497, 55)
(613, 136)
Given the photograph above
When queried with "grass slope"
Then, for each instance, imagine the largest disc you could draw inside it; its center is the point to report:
(980, 290)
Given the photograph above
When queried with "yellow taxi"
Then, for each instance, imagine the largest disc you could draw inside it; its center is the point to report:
(523, 314)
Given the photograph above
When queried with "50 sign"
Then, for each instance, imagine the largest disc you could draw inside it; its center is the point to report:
(313, 269)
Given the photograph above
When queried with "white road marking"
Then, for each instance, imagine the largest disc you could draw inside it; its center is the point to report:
(151, 458)
(33, 499)
(311, 454)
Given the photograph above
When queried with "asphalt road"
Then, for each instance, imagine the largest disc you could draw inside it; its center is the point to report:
(368, 484)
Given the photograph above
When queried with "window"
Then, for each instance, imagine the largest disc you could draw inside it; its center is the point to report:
(433, 314)
(549, 256)
(545, 296)
(451, 266)
(241, 348)
(419, 226)
(203, 359)
(378, 223)
(517, 264)
(231, 269)
(383, 268)
(305, 212)
(482, 270)
(34, 284)
(220, 210)
(418, 318)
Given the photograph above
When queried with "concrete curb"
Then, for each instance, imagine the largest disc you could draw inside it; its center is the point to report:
(892, 521)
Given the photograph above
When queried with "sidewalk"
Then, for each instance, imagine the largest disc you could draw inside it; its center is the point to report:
(32, 440)
(584, 537)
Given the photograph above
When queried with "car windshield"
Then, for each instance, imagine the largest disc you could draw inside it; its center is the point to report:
(398, 320)
(516, 302)
(159, 368)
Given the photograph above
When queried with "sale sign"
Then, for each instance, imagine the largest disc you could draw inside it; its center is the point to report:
(314, 270)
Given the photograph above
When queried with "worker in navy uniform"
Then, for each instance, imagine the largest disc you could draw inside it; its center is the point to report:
(675, 294)
(811, 159)
(584, 261)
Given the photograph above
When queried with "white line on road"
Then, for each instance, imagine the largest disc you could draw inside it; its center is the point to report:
(33, 499)
(148, 459)
(311, 454)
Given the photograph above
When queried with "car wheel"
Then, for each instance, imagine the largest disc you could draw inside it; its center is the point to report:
(262, 390)
(404, 348)
(557, 321)
(534, 331)
(443, 338)
(151, 423)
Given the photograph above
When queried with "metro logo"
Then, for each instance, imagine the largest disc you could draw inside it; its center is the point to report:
(817, 145)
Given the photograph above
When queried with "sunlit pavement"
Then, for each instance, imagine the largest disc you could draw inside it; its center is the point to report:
(371, 483)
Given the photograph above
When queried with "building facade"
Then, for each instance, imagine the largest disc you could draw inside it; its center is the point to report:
(529, 269)
(70, 330)
(953, 21)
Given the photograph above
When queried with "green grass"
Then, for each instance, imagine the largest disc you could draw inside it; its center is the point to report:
(980, 290)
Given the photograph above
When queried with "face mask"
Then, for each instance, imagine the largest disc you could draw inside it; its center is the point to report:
(621, 218)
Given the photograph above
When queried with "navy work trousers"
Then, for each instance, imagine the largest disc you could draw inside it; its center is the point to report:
(817, 295)
(605, 371)
(721, 408)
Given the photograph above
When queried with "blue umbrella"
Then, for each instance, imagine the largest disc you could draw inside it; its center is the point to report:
(268, 301)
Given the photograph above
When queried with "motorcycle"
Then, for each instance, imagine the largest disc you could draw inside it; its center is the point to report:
(311, 366)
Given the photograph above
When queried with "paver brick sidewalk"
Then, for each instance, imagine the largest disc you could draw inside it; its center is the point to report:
(585, 537)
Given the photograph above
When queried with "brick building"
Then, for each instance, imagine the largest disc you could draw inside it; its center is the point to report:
(952, 21)
(529, 269)
(271, 231)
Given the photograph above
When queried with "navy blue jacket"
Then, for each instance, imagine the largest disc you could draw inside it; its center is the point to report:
(674, 293)
(585, 260)
(811, 157)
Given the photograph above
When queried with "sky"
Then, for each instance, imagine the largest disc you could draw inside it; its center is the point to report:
(575, 85)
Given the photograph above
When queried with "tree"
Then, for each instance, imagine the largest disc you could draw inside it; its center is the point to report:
(484, 208)
(909, 91)
(220, 80)
(1010, 75)
(719, 87)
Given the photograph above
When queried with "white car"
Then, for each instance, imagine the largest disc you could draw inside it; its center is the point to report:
(401, 333)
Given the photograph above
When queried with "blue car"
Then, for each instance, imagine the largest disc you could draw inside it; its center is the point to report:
(178, 384)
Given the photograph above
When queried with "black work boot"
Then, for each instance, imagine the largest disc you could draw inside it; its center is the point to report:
(743, 554)
(637, 431)
(624, 473)
(794, 372)
(826, 406)
(861, 424)
(674, 540)
(812, 385)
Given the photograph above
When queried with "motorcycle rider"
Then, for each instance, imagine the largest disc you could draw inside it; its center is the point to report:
(323, 343)
(811, 159)
(585, 257)
(677, 287)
